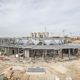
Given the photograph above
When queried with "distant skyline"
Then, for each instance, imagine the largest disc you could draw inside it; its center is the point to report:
(21, 17)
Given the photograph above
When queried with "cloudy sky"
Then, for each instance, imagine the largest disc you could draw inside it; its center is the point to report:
(20, 17)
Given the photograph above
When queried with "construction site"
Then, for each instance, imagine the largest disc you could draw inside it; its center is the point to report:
(40, 57)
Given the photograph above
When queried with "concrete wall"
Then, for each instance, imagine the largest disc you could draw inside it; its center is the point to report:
(11, 51)
(26, 53)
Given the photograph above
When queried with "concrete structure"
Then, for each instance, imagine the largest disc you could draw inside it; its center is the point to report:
(36, 71)
(39, 47)
(40, 34)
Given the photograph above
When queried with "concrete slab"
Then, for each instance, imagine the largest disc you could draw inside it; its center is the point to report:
(36, 70)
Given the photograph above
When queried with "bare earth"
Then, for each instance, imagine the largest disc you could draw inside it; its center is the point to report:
(54, 71)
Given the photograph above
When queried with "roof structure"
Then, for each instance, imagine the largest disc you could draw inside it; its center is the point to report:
(30, 42)
(63, 46)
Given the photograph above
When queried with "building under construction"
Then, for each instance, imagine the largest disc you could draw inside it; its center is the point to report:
(39, 45)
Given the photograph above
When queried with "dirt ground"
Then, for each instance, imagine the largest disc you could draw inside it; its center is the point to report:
(53, 70)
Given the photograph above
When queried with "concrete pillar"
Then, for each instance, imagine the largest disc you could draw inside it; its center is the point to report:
(45, 53)
(15, 51)
(18, 51)
(18, 55)
(60, 53)
(73, 51)
(33, 53)
(8, 51)
(26, 52)
(53, 54)
(78, 53)
(69, 51)
(5, 50)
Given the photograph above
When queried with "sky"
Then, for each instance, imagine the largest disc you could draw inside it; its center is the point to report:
(21, 17)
